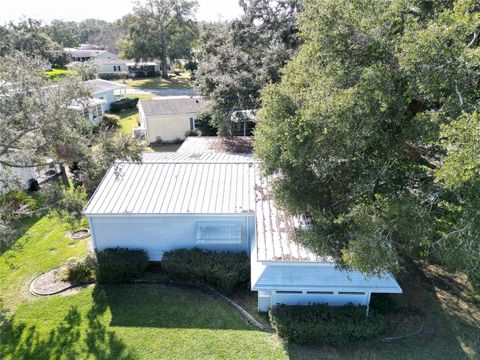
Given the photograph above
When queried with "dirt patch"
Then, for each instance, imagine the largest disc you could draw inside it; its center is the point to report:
(50, 283)
(80, 234)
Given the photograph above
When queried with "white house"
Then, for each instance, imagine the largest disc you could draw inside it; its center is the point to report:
(219, 201)
(108, 91)
(110, 65)
(169, 119)
(88, 55)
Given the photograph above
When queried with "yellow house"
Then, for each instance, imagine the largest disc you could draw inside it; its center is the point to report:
(170, 119)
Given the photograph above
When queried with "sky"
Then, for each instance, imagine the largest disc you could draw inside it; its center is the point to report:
(109, 10)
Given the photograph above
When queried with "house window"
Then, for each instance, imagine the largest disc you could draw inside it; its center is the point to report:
(288, 292)
(320, 292)
(225, 232)
(192, 124)
(86, 113)
(97, 111)
(350, 293)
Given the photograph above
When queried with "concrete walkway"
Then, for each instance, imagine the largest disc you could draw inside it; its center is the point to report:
(162, 92)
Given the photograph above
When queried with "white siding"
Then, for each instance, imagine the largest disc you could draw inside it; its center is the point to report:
(157, 234)
(108, 96)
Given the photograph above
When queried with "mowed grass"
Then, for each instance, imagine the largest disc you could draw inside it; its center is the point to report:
(55, 74)
(43, 246)
(129, 118)
(181, 82)
(134, 322)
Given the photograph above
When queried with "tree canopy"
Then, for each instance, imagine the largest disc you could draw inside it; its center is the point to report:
(160, 29)
(237, 59)
(372, 134)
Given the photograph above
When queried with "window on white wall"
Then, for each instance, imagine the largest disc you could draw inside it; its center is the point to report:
(192, 124)
(219, 232)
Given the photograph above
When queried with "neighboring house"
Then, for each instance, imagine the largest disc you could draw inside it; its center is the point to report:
(79, 55)
(94, 110)
(110, 65)
(108, 91)
(219, 201)
(170, 119)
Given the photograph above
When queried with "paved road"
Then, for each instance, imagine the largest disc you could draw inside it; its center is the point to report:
(162, 92)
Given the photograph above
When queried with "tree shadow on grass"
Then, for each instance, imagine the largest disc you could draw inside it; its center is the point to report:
(166, 307)
(66, 340)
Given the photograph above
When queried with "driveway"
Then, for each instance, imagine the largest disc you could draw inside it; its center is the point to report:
(162, 92)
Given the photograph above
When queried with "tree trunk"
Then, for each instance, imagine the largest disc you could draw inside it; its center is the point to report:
(163, 65)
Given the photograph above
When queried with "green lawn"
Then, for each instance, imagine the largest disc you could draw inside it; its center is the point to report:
(42, 247)
(177, 83)
(56, 74)
(129, 118)
(134, 322)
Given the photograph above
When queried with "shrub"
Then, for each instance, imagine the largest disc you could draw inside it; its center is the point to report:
(224, 271)
(120, 75)
(383, 304)
(126, 103)
(119, 265)
(15, 200)
(110, 121)
(81, 272)
(322, 324)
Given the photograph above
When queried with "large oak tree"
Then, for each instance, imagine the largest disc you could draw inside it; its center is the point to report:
(372, 133)
(160, 29)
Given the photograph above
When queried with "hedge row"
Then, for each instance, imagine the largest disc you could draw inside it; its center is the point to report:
(126, 103)
(224, 271)
(120, 75)
(322, 324)
(112, 265)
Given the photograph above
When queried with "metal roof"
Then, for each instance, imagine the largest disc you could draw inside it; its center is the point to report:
(217, 144)
(275, 230)
(196, 157)
(191, 105)
(98, 85)
(320, 277)
(175, 187)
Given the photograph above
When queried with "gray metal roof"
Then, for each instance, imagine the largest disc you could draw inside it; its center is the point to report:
(320, 277)
(99, 86)
(196, 157)
(275, 229)
(216, 144)
(176, 188)
(85, 53)
(191, 105)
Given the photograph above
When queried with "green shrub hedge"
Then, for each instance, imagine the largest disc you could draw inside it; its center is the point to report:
(322, 324)
(81, 272)
(126, 103)
(120, 265)
(110, 121)
(120, 75)
(224, 271)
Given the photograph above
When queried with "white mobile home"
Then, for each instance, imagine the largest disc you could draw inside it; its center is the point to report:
(170, 119)
(219, 201)
(107, 91)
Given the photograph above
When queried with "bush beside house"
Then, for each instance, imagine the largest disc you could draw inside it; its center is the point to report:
(113, 265)
(120, 75)
(320, 324)
(224, 271)
(120, 265)
(123, 104)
